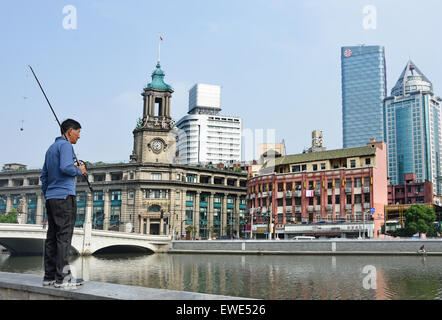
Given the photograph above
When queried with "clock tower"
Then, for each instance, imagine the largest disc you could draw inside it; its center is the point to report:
(155, 136)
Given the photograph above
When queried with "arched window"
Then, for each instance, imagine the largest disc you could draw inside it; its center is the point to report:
(154, 208)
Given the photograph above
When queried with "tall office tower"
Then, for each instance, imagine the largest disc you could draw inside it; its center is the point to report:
(364, 87)
(413, 131)
(204, 135)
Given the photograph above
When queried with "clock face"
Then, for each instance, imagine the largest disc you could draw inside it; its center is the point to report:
(157, 145)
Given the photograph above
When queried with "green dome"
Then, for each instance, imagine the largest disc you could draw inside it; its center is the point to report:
(158, 80)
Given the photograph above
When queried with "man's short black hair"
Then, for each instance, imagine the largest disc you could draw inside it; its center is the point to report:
(68, 124)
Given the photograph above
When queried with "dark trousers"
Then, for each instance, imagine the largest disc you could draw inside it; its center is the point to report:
(61, 215)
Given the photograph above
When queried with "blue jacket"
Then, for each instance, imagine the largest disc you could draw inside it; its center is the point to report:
(58, 174)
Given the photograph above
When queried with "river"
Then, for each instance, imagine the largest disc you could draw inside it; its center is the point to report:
(272, 277)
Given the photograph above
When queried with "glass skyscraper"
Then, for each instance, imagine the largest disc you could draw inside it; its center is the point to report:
(412, 129)
(364, 87)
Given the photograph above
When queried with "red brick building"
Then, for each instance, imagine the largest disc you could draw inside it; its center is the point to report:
(336, 186)
(411, 191)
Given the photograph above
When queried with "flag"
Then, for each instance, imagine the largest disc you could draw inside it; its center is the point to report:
(161, 38)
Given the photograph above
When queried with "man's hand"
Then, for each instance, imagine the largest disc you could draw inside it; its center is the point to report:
(83, 169)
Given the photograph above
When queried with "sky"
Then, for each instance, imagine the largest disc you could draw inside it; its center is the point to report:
(278, 63)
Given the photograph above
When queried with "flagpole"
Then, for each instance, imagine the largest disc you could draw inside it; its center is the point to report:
(159, 45)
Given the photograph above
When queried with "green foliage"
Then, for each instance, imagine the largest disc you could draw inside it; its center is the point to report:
(419, 219)
(10, 217)
(190, 230)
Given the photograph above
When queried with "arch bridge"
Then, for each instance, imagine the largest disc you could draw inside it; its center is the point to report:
(28, 239)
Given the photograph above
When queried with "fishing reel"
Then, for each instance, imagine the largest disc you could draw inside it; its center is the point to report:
(80, 163)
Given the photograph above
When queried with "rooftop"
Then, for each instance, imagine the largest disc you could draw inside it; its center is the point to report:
(325, 155)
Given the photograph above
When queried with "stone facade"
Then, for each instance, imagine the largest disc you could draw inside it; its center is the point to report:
(149, 198)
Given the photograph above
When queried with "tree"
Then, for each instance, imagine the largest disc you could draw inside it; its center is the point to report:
(419, 219)
(10, 217)
(190, 230)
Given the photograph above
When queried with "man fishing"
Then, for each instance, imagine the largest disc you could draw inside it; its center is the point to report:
(58, 185)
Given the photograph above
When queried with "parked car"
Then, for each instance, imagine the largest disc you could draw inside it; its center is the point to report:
(303, 238)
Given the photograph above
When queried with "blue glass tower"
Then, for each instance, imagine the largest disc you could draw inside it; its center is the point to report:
(413, 130)
(364, 87)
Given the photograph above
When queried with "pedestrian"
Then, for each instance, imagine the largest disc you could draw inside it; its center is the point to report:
(58, 186)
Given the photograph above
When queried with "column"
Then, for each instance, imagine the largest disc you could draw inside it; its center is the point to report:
(182, 215)
(135, 218)
(166, 106)
(224, 216)
(124, 217)
(151, 107)
(39, 208)
(25, 208)
(210, 209)
(147, 225)
(106, 209)
(236, 213)
(8, 203)
(196, 221)
(145, 105)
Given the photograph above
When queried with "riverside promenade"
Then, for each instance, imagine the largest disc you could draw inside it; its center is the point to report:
(16, 286)
(316, 247)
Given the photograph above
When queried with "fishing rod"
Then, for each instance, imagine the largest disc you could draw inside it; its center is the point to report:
(79, 162)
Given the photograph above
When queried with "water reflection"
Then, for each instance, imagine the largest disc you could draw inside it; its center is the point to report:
(265, 277)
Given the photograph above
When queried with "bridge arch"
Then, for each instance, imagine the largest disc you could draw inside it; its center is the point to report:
(124, 249)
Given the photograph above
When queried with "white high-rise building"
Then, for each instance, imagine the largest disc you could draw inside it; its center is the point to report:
(204, 135)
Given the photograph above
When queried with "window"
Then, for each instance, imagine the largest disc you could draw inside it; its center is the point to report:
(337, 199)
(367, 160)
(156, 176)
(178, 177)
(329, 184)
(131, 175)
(296, 168)
(116, 195)
(99, 177)
(190, 196)
(322, 166)
(156, 194)
(191, 178)
(130, 194)
(329, 199)
(352, 163)
(348, 198)
(304, 167)
(98, 196)
(315, 167)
